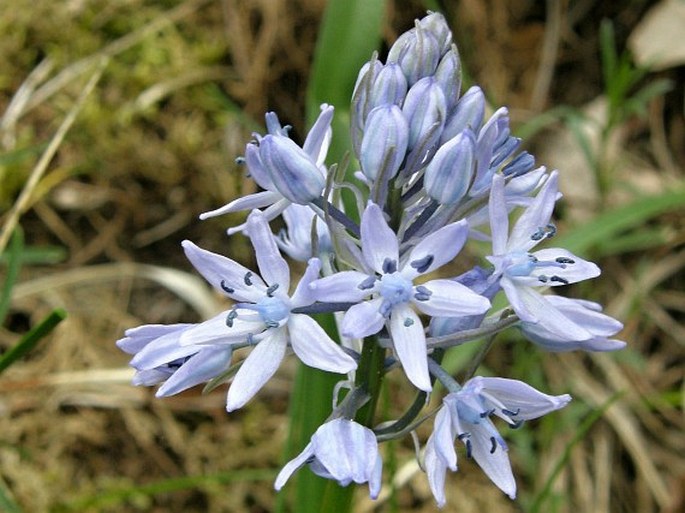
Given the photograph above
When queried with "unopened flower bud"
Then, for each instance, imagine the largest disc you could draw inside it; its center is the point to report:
(256, 168)
(469, 113)
(361, 98)
(424, 108)
(448, 76)
(390, 86)
(436, 25)
(417, 53)
(449, 174)
(383, 148)
(294, 174)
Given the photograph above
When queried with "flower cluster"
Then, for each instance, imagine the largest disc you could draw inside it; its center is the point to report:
(433, 174)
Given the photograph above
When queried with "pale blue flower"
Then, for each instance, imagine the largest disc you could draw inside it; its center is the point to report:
(583, 313)
(263, 316)
(341, 450)
(521, 273)
(287, 173)
(296, 239)
(159, 357)
(390, 283)
(465, 415)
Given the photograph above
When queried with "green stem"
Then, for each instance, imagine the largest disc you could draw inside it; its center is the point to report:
(369, 378)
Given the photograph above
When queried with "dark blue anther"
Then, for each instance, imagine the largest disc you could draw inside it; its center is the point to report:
(564, 260)
(558, 279)
(543, 278)
(494, 445)
(389, 266)
(270, 291)
(551, 230)
(487, 413)
(538, 235)
(271, 324)
(466, 438)
(226, 288)
(385, 308)
(247, 279)
(230, 318)
(368, 283)
(510, 413)
(422, 264)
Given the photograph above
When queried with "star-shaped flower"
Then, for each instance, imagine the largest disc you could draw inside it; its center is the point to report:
(389, 281)
(521, 273)
(466, 415)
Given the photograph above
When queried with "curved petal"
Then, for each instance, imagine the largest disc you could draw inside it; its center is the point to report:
(522, 309)
(272, 266)
(315, 348)
(378, 240)
(319, 136)
(249, 202)
(340, 287)
(495, 463)
(436, 471)
(218, 270)
(293, 465)
(161, 351)
(451, 299)
(200, 368)
(257, 369)
(215, 331)
(363, 319)
(436, 249)
(536, 216)
(574, 272)
(499, 216)
(135, 339)
(520, 397)
(409, 342)
(303, 293)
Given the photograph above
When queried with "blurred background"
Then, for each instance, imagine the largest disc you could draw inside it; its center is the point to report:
(119, 124)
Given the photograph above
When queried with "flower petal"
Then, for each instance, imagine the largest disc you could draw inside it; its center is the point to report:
(218, 270)
(579, 270)
(451, 299)
(536, 216)
(378, 240)
(249, 202)
(436, 249)
(315, 348)
(215, 331)
(409, 342)
(363, 319)
(136, 339)
(200, 368)
(499, 216)
(272, 266)
(292, 466)
(495, 463)
(161, 351)
(257, 369)
(520, 397)
(303, 293)
(340, 287)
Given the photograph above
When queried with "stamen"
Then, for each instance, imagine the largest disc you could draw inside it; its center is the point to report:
(538, 235)
(543, 278)
(516, 424)
(565, 260)
(422, 293)
(270, 291)
(231, 317)
(226, 288)
(558, 279)
(247, 279)
(250, 339)
(408, 322)
(271, 324)
(466, 438)
(487, 413)
(389, 266)
(368, 283)
(422, 264)
(551, 230)
(494, 445)
(385, 308)
(240, 160)
(511, 413)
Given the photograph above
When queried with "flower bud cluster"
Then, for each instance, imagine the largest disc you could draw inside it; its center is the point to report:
(435, 172)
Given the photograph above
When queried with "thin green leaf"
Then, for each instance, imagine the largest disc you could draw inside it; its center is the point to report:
(607, 226)
(583, 429)
(29, 341)
(38, 255)
(7, 504)
(13, 265)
